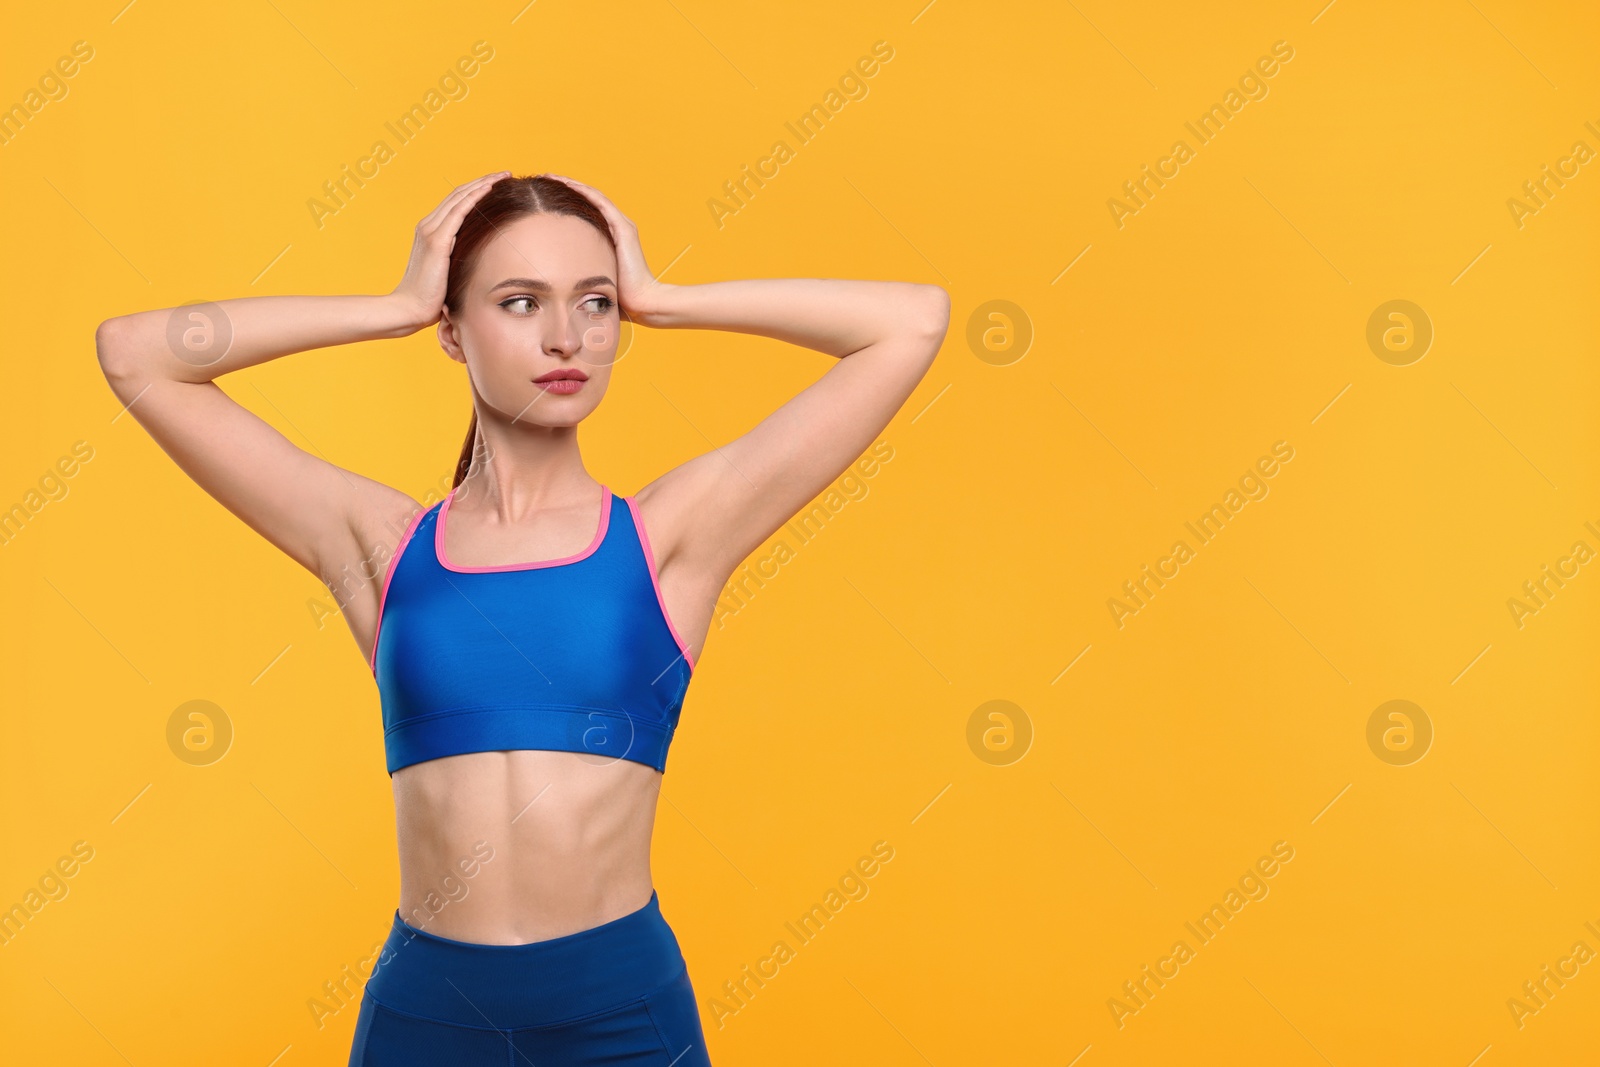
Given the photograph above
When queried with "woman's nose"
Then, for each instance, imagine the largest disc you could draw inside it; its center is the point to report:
(561, 336)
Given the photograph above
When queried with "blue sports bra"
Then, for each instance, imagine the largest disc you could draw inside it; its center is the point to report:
(571, 655)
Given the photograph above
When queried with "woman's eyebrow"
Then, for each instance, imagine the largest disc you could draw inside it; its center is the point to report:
(544, 287)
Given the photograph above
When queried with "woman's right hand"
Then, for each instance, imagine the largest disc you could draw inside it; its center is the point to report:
(421, 291)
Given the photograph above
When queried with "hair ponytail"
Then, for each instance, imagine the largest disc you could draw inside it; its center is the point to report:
(465, 462)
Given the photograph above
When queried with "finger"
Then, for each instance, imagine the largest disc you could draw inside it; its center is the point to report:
(452, 221)
(448, 215)
(454, 195)
(575, 184)
(600, 200)
(435, 216)
(466, 189)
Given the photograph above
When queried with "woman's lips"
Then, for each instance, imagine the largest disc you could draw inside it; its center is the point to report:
(561, 385)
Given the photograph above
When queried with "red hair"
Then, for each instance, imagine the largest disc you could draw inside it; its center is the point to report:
(506, 201)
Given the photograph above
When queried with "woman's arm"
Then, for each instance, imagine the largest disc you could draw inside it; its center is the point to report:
(712, 511)
(199, 342)
(337, 524)
(837, 318)
(307, 506)
(885, 335)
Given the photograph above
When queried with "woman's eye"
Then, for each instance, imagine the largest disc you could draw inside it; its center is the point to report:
(603, 304)
(519, 300)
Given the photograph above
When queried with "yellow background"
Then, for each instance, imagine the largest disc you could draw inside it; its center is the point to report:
(832, 710)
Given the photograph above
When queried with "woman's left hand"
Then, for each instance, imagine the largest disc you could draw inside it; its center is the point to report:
(638, 291)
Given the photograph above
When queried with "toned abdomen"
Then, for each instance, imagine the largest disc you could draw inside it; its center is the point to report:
(512, 847)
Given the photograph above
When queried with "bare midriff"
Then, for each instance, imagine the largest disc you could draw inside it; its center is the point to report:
(506, 848)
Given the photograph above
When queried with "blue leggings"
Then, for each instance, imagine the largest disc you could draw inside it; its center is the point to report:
(615, 994)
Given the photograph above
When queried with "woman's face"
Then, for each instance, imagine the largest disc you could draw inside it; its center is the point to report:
(542, 299)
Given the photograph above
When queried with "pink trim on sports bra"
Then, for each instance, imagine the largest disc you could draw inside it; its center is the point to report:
(650, 561)
(599, 536)
(388, 575)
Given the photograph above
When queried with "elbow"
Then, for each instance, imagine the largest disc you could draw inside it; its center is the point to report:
(109, 344)
(118, 354)
(935, 316)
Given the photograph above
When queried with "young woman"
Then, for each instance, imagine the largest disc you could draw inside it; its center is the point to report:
(531, 635)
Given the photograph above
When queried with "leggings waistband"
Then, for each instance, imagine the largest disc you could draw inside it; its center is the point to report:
(536, 984)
